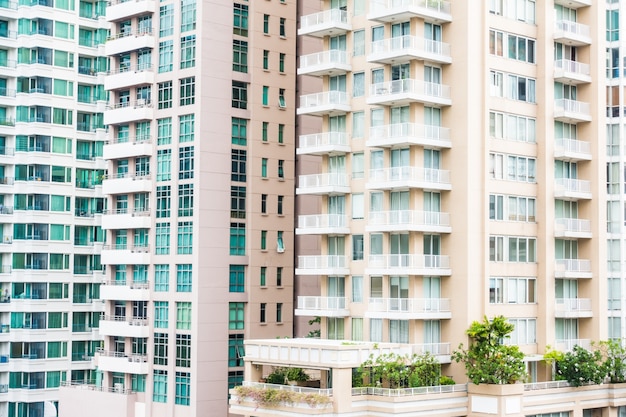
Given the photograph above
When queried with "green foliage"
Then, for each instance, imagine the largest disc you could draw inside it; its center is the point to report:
(281, 375)
(446, 380)
(614, 360)
(487, 360)
(581, 366)
(271, 397)
(398, 371)
(315, 333)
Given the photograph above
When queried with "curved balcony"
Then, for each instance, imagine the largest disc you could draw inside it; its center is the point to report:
(572, 268)
(408, 264)
(130, 41)
(403, 92)
(322, 306)
(127, 183)
(572, 228)
(323, 184)
(572, 189)
(406, 48)
(572, 33)
(127, 76)
(571, 72)
(331, 22)
(323, 224)
(408, 177)
(409, 308)
(126, 219)
(401, 10)
(573, 308)
(331, 62)
(323, 265)
(326, 103)
(326, 143)
(408, 134)
(571, 111)
(408, 220)
(122, 290)
(120, 362)
(125, 9)
(572, 150)
(124, 326)
(125, 255)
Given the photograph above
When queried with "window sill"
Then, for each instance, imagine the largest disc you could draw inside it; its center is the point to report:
(283, 36)
(264, 178)
(279, 323)
(280, 215)
(266, 70)
(281, 143)
(263, 287)
(263, 324)
(281, 179)
(264, 250)
(264, 214)
(280, 288)
(265, 142)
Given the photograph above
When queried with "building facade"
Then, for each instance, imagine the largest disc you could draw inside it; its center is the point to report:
(52, 100)
(463, 163)
(199, 190)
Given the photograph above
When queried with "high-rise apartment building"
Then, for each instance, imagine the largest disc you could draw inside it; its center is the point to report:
(462, 175)
(52, 100)
(199, 193)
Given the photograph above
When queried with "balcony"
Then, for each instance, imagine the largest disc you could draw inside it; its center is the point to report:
(123, 255)
(130, 41)
(322, 306)
(127, 183)
(125, 112)
(572, 150)
(408, 220)
(440, 350)
(133, 291)
(124, 326)
(409, 308)
(323, 265)
(126, 219)
(408, 264)
(125, 9)
(566, 345)
(323, 224)
(404, 92)
(129, 148)
(573, 308)
(327, 103)
(127, 76)
(572, 228)
(326, 143)
(323, 184)
(402, 49)
(408, 134)
(571, 111)
(572, 33)
(571, 72)
(572, 189)
(331, 22)
(574, 4)
(572, 268)
(331, 62)
(437, 11)
(120, 362)
(408, 177)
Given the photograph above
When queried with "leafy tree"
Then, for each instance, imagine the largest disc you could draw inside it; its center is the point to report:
(487, 360)
(614, 360)
(315, 333)
(398, 371)
(580, 366)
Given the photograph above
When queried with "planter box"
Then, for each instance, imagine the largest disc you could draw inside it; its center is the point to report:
(493, 399)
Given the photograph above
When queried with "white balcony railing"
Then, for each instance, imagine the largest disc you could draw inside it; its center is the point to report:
(573, 28)
(402, 44)
(410, 86)
(322, 303)
(573, 146)
(409, 305)
(432, 348)
(326, 17)
(323, 180)
(407, 131)
(325, 98)
(573, 225)
(570, 66)
(408, 217)
(322, 262)
(572, 305)
(572, 106)
(325, 139)
(324, 58)
(322, 221)
(409, 261)
(439, 6)
(573, 265)
(409, 173)
(566, 345)
(573, 185)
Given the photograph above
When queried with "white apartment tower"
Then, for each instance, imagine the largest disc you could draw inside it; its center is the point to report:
(52, 100)
(462, 171)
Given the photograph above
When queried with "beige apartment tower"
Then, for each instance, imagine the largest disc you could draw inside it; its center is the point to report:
(462, 172)
(200, 190)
